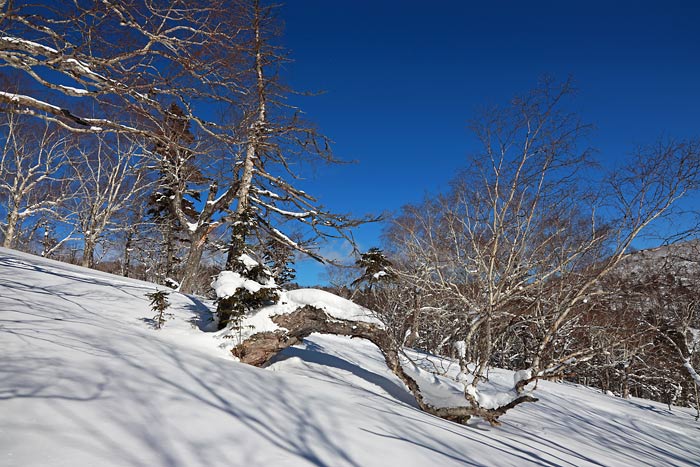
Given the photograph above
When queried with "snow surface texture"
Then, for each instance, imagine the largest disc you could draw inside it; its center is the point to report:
(84, 380)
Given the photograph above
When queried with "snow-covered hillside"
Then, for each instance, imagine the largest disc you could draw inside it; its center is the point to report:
(85, 381)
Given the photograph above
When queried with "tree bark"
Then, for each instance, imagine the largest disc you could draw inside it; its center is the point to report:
(12, 220)
(169, 250)
(194, 256)
(127, 253)
(88, 260)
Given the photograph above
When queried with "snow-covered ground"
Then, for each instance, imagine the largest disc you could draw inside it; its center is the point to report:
(85, 381)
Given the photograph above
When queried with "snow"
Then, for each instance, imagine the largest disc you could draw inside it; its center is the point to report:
(248, 262)
(284, 212)
(227, 283)
(217, 200)
(72, 90)
(85, 380)
(28, 100)
(30, 44)
(267, 193)
(285, 239)
(336, 307)
(461, 348)
(492, 400)
(261, 320)
(379, 275)
(691, 371)
(85, 69)
(521, 375)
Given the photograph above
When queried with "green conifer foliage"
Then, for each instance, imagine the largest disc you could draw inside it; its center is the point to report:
(377, 268)
(159, 303)
(261, 289)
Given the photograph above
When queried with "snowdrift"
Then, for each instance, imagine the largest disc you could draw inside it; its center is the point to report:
(85, 380)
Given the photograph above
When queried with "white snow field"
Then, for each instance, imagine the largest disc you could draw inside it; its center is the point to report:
(85, 381)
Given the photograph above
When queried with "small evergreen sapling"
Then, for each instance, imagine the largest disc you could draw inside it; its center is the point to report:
(159, 303)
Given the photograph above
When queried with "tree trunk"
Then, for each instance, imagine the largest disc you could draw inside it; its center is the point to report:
(258, 349)
(127, 253)
(413, 327)
(194, 256)
(10, 231)
(626, 382)
(169, 250)
(88, 260)
(255, 137)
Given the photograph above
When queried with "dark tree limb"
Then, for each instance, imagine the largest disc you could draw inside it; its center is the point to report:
(260, 348)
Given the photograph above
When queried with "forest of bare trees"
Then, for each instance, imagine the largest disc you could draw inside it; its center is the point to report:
(155, 139)
(524, 262)
(163, 125)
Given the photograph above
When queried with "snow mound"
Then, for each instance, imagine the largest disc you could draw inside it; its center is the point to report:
(335, 306)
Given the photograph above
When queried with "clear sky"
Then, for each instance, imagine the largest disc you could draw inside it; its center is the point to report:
(402, 79)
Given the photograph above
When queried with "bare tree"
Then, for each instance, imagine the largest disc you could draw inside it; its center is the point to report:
(510, 258)
(277, 139)
(32, 175)
(72, 70)
(260, 193)
(108, 175)
(653, 298)
(212, 60)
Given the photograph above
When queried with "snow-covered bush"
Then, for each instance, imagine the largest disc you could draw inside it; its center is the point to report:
(250, 286)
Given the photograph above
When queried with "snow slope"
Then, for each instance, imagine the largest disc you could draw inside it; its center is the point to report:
(84, 381)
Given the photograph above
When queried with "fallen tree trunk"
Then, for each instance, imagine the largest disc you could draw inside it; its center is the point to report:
(260, 348)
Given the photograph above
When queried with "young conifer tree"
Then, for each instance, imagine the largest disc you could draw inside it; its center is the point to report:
(248, 285)
(377, 268)
(159, 304)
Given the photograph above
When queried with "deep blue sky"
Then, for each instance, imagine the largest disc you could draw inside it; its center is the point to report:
(403, 78)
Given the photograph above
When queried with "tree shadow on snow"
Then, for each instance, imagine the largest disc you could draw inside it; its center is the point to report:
(312, 354)
(203, 317)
